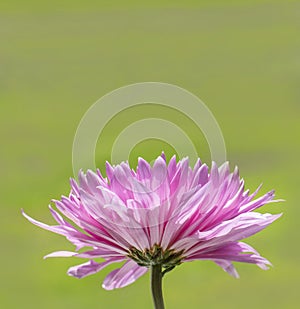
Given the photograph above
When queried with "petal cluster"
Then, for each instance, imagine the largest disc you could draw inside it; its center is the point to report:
(182, 213)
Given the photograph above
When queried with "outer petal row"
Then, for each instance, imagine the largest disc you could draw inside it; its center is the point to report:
(233, 252)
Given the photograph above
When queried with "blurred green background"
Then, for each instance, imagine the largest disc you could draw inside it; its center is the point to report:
(242, 58)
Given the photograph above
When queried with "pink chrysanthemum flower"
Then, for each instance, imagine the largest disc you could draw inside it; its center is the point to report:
(164, 215)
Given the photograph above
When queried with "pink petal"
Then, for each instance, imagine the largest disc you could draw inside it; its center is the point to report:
(240, 227)
(123, 276)
(96, 253)
(228, 231)
(228, 267)
(265, 199)
(93, 180)
(172, 167)
(159, 173)
(237, 251)
(143, 169)
(89, 268)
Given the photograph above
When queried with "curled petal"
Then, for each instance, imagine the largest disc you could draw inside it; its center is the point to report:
(89, 268)
(228, 267)
(124, 276)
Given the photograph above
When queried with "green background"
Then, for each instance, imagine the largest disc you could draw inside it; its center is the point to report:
(242, 58)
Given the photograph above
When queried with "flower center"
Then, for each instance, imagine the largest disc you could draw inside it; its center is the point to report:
(168, 259)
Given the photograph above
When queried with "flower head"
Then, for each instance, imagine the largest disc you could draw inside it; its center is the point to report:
(164, 214)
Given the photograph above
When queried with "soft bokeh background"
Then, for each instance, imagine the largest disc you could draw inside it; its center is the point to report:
(242, 58)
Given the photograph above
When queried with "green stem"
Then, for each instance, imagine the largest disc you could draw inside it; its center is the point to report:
(156, 286)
